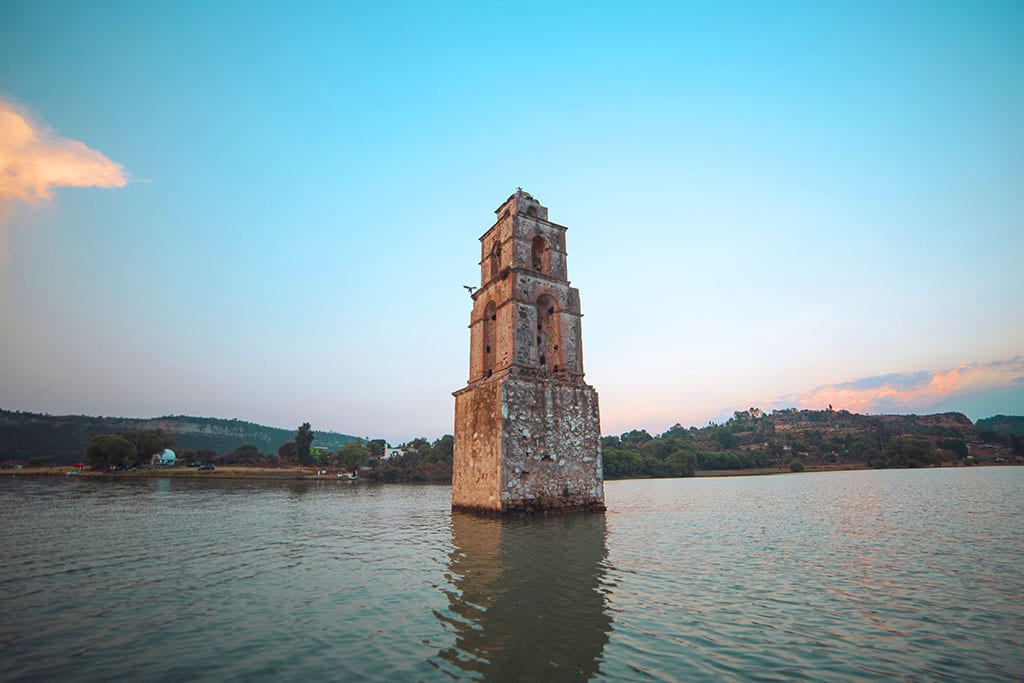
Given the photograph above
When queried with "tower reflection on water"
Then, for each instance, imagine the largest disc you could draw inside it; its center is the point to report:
(526, 598)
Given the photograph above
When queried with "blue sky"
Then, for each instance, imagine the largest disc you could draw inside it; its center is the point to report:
(768, 203)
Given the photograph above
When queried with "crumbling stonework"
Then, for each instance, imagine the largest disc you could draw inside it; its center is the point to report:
(527, 427)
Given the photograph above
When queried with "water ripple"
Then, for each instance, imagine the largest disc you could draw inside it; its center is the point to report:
(911, 575)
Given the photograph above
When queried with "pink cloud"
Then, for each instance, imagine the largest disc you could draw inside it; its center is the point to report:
(912, 390)
(34, 162)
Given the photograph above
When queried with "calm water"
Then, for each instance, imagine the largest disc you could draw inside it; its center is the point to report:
(913, 575)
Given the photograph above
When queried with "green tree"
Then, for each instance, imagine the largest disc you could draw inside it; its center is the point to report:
(110, 450)
(910, 451)
(676, 431)
(40, 461)
(620, 463)
(149, 442)
(610, 442)
(659, 449)
(635, 437)
(726, 439)
(287, 452)
(303, 440)
(681, 464)
(421, 446)
(721, 460)
(375, 447)
(442, 450)
(351, 456)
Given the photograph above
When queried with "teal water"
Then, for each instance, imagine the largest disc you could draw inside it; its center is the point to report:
(909, 575)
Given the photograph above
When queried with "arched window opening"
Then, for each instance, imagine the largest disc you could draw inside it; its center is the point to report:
(547, 333)
(540, 254)
(490, 316)
(495, 259)
(531, 212)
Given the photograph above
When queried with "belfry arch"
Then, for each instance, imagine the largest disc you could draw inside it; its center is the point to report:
(495, 259)
(540, 255)
(490, 318)
(548, 333)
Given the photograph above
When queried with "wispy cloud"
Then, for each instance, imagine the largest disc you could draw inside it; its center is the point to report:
(34, 161)
(910, 391)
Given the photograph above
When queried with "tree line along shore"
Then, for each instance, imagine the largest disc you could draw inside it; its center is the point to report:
(749, 442)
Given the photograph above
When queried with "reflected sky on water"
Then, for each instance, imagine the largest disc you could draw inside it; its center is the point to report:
(912, 575)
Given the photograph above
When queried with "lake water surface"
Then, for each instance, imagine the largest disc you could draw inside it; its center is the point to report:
(872, 575)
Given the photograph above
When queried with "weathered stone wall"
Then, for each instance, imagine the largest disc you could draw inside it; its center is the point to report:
(552, 447)
(476, 470)
(526, 445)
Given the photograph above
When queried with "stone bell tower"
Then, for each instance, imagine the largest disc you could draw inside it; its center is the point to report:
(527, 429)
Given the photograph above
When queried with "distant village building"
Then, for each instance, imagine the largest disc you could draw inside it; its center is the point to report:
(527, 427)
(390, 452)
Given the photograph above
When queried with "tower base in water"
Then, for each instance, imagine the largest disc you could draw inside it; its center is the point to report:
(525, 445)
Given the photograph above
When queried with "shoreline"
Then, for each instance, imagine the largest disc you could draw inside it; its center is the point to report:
(224, 472)
(309, 474)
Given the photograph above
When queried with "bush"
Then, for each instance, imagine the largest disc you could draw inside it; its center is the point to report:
(796, 465)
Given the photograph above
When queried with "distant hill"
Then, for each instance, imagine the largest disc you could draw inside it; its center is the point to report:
(1004, 424)
(753, 439)
(64, 438)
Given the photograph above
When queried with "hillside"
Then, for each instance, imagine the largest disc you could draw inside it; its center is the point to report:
(1003, 424)
(752, 439)
(64, 438)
